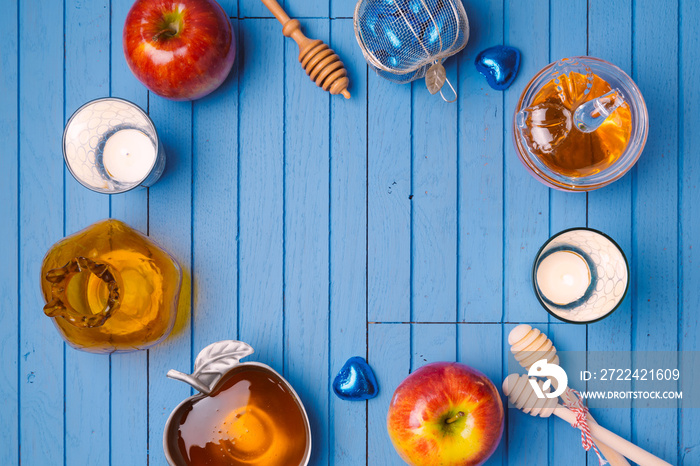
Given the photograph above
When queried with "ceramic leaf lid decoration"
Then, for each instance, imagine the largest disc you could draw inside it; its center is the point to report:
(245, 414)
(212, 363)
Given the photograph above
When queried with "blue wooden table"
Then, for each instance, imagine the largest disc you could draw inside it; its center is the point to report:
(392, 226)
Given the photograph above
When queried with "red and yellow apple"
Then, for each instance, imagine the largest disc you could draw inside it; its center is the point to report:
(179, 49)
(445, 414)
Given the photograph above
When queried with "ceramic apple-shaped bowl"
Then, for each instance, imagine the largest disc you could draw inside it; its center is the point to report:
(245, 414)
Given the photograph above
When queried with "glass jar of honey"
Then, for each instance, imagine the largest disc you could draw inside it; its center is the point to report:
(580, 124)
(110, 289)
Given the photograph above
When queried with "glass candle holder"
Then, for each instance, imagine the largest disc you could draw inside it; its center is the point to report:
(111, 146)
(580, 275)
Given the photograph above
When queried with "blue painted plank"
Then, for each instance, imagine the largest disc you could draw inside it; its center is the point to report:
(567, 38)
(481, 347)
(41, 349)
(230, 7)
(655, 220)
(214, 237)
(526, 437)
(307, 8)
(689, 219)
(256, 10)
(526, 200)
(610, 208)
(9, 235)
(434, 215)
(295, 9)
(87, 375)
(348, 246)
(432, 343)
(343, 9)
(129, 387)
(261, 191)
(170, 223)
(564, 441)
(306, 269)
(480, 174)
(389, 355)
(389, 206)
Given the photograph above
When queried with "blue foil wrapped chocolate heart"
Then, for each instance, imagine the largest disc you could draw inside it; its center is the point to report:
(355, 381)
(499, 65)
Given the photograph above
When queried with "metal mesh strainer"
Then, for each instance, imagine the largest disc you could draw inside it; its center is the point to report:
(405, 40)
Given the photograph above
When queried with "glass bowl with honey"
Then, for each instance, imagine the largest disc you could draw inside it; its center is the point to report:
(580, 124)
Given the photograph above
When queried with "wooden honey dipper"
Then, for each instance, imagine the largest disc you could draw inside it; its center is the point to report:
(521, 394)
(530, 345)
(320, 62)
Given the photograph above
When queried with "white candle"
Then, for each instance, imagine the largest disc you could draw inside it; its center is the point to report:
(563, 277)
(128, 156)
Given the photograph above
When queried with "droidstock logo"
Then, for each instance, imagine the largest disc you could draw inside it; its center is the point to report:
(552, 371)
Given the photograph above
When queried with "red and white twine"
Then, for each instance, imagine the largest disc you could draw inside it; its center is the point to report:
(574, 401)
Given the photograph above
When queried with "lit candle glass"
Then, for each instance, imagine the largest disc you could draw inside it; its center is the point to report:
(580, 275)
(129, 155)
(563, 277)
(111, 146)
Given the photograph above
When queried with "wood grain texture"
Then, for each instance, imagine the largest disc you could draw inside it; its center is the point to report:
(526, 201)
(41, 350)
(307, 8)
(306, 218)
(434, 204)
(87, 376)
(229, 6)
(342, 9)
(348, 248)
(256, 9)
(655, 212)
(389, 200)
(432, 343)
(215, 237)
(689, 220)
(480, 174)
(261, 191)
(9, 233)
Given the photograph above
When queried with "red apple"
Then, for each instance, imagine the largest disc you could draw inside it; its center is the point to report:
(179, 49)
(445, 414)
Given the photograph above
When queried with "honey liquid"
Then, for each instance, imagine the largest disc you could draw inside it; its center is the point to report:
(252, 420)
(575, 153)
(142, 288)
(147, 288)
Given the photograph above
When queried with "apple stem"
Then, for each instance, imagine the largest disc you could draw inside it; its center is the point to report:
(454, 418)
(170, 30)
